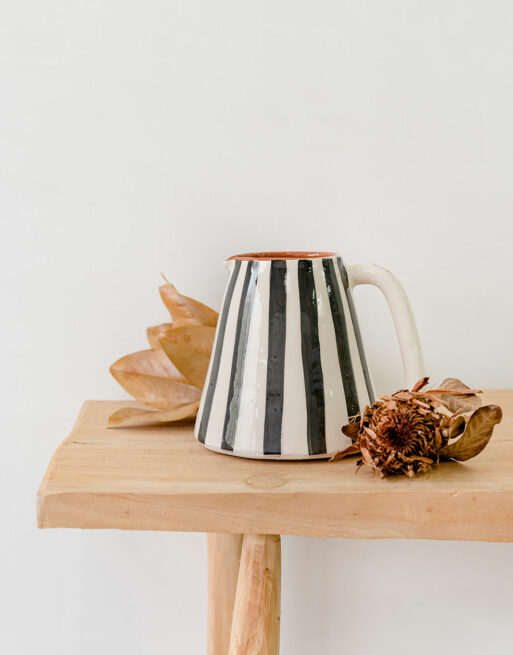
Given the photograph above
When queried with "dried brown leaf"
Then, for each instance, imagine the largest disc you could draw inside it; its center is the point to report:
(155, 332)
(192, 364)
(138, 416)
(456, 426)
(456, 396)
(196, 337)
(347, 452)
(453, 392)
(351, 430)
(476, 436)
(185, 310)
(150, 377)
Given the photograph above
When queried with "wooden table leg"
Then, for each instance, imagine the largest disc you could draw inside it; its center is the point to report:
(223, 570)
(256, 615)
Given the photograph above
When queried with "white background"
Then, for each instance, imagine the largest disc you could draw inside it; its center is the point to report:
(139, 137)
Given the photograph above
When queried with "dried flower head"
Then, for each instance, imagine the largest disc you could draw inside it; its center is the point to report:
(409, 431)
(402, 434)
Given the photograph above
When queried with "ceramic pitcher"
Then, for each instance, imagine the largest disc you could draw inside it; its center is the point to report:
(288, 367)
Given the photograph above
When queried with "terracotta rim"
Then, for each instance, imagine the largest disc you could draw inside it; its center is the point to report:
(286, 254)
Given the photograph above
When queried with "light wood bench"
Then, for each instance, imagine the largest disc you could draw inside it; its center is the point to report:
(160, 478)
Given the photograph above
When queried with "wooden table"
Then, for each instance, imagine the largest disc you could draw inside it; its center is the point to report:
(160, 478)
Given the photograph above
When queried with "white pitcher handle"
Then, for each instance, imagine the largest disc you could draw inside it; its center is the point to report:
(407, 335)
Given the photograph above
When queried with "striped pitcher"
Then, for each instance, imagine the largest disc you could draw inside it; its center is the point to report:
(288, 367)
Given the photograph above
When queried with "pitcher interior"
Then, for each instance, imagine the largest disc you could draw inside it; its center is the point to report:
(286, 254)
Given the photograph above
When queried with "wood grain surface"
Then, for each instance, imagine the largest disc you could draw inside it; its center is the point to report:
(224, 552)
(256, 615)
(161, 478)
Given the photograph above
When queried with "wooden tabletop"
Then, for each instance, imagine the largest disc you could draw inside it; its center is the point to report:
(161, 478)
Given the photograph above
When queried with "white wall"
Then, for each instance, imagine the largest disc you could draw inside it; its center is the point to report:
(137, 137)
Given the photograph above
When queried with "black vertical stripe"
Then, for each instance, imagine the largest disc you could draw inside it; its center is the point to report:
(275, 358)
(356, 328)
(341, 337)
(221, 328)
(239, 355)
(311, 353)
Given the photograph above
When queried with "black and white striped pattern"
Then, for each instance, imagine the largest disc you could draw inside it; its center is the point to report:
(288, 366)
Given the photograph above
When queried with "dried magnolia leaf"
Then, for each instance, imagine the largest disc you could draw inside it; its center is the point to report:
(347, 452)
(192, 364)
(456, 396)
(453, 392)
(456, 425)
(155, 332)
(185, 310)
(351, 430)
(196, 337)
(138, 416)
(150, 377)
(476, 436)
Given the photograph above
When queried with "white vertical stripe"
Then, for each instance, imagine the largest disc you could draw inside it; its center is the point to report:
(361, 387)
(294, 426)
(214, 436)
(334, 398)
(249, 435)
